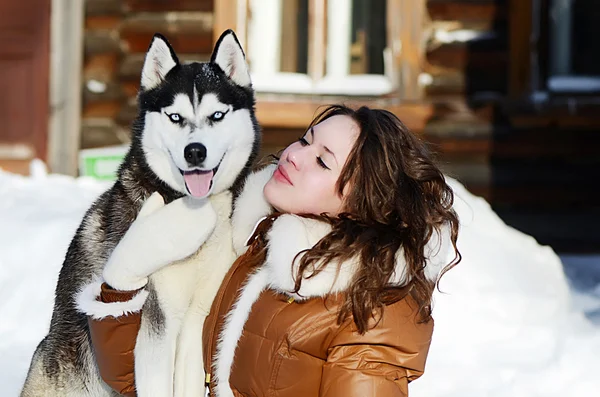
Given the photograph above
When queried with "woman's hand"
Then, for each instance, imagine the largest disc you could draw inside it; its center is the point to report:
(160, 235)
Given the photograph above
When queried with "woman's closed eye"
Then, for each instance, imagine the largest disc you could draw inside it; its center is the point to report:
(320, 161)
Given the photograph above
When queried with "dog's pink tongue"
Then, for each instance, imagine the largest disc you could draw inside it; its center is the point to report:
(198, 182)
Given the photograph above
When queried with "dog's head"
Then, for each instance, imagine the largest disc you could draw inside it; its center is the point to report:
(196, 125)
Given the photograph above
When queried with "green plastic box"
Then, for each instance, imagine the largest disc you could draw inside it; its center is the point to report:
(102, 163)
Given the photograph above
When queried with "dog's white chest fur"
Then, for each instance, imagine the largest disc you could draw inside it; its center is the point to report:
(185, 291)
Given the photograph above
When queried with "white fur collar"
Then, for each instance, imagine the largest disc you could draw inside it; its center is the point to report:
(291, 234)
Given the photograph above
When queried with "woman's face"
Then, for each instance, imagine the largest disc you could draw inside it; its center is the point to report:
(307, 172)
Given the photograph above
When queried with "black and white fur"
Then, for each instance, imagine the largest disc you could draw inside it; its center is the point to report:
(63, 363)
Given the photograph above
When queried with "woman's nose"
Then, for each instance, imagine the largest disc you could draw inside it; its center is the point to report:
(298, 155)
(292, 158)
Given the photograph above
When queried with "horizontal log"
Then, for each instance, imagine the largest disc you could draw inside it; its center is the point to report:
(446, 149)
(131, 88)
(461, 30)
(542, 143)
(457, 10)
(187, 32)
(456, 107)
(298, 114)
(169, 22)
(483, 54)
(106, 22)
(103, 7)
(540, 196)
(128, 111)
(452, 149)
(131, 65)
(101, 42)
(565, 112)
(535, 172)
(101, 67)
(108, 110)
(559, 118)
(99, 91)
(441, 129)
(171, 5)
(468, 173)
(99, 132)
(280, 137)
(445, 81)
(201, 44)
(506, 144)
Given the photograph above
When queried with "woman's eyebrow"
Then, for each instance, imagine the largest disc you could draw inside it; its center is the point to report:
(312, 132)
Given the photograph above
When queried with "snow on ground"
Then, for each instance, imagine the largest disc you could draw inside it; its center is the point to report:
(508, 320)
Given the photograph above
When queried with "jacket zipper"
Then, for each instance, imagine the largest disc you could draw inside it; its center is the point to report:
(213, 325)
(255, 239)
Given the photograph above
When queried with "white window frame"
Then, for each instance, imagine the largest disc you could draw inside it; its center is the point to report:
(263, 35)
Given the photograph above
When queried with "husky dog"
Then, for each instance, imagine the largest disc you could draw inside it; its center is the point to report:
(196, 135)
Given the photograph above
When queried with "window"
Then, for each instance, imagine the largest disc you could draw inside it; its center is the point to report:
(372, 50)
(321, 46)
(573, 59)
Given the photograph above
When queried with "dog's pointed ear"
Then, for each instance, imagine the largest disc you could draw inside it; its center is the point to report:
(160, 59)
(229, 55)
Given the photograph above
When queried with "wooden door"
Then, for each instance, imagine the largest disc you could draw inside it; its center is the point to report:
(24, 84)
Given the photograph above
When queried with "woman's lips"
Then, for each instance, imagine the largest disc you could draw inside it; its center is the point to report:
(281, 175)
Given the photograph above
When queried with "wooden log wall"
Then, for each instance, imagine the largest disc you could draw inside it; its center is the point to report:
(117, 35)
(534, 166)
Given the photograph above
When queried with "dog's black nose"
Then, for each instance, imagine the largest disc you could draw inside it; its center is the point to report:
(195, 154)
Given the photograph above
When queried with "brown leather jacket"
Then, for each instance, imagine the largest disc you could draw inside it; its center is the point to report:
(289, 348)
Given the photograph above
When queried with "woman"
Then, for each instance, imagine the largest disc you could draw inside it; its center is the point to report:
(336, 300)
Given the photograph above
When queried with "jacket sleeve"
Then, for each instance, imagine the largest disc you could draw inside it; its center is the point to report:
(114, 319)
(382, 361)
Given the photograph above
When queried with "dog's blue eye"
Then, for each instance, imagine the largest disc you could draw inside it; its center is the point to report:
(175, 117)
(217, 116)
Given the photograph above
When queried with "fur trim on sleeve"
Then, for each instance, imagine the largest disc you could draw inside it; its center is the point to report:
(87, 303)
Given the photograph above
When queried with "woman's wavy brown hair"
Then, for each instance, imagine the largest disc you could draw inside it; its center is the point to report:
(396, 199)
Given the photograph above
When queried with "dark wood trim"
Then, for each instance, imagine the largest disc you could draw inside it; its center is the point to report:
(520, 19)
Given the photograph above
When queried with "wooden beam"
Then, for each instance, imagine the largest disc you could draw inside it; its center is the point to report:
(289, 36)
(520, 22)
(291, 114)
(317, 21)
(225, 16)
(405, 21)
